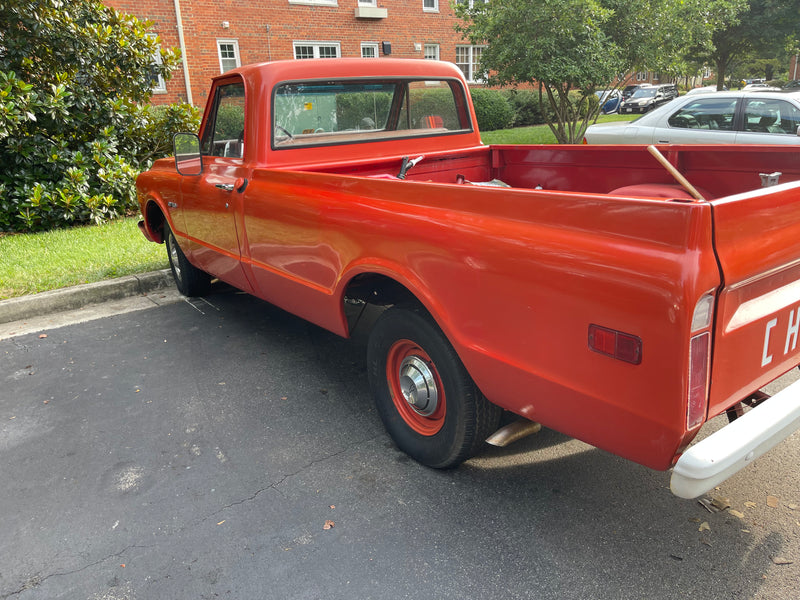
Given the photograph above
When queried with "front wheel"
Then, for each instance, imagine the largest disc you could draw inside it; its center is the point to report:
(189, 280)
(427, 401)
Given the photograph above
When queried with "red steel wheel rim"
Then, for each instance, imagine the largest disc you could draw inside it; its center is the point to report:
(416, 387)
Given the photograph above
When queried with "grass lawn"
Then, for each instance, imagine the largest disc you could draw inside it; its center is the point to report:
(538, 134)
(35, 262)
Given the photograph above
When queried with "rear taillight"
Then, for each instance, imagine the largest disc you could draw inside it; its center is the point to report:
(699, 362)
(698, 380)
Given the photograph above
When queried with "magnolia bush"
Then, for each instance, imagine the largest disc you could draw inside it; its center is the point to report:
(75, 123)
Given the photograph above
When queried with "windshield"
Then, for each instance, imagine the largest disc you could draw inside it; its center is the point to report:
(644, 93)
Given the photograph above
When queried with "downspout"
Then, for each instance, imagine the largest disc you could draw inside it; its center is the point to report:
(181, 41)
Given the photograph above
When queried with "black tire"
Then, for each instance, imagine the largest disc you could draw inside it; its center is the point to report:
(439, 429)
(189, 280)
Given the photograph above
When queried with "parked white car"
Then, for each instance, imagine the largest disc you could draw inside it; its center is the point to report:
(708, 89)
(752, 117)
(760, 87)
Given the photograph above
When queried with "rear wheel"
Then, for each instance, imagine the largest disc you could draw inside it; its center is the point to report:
(427, 401)
(189, 280)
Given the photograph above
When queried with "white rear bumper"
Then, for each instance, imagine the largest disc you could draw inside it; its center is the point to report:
(714, 459)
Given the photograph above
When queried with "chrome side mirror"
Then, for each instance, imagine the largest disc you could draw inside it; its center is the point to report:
(188, 160)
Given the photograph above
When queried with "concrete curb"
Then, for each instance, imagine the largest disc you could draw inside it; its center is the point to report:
(36, 305)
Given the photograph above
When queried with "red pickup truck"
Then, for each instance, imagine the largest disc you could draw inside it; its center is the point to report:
(622, 295)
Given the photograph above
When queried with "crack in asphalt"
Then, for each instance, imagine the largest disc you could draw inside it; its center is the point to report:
(274, 485)
(36, 580)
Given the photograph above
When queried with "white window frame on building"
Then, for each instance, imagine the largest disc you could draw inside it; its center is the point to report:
(431, 52)
(430, 6)
(641, 76)
(316, 47)
(469, 66)
(159, 85)
(368, 2)
(370, 50)
(224, 66)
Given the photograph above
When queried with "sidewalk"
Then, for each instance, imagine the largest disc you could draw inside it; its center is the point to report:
(39, 311)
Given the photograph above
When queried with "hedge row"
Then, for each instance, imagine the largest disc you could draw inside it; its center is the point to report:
(503, 109)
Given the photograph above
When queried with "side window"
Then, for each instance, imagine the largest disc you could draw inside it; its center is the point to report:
(705, 113)
(224, 132)
(771, 116)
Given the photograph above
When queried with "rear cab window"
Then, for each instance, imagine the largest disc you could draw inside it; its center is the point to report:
(318, 113)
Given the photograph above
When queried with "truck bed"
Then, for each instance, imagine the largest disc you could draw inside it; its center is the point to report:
(715, 171)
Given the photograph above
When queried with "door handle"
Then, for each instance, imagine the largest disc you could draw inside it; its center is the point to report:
(228, 187)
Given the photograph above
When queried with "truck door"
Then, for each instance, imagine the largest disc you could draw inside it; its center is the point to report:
(212, 201)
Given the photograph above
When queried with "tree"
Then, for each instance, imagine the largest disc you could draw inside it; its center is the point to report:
(763, 28)
(75, 79)
(570, 48)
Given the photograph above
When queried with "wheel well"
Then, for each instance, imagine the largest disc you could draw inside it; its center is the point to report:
(377, 289)
(154, 220)
(368, 294)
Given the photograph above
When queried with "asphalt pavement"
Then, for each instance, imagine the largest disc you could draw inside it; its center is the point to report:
(153, 446)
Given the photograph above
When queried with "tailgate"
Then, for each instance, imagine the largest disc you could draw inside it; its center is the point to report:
(757, 238)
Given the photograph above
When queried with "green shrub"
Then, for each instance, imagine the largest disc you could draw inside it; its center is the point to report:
(528, 110)
(75, 123)
(492, 109)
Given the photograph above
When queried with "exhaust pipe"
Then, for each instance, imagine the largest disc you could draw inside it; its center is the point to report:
(513, 432)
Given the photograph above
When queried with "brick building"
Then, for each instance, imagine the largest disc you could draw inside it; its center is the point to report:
(216, 36)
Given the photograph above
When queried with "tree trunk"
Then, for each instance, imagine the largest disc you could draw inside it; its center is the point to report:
(721, 66)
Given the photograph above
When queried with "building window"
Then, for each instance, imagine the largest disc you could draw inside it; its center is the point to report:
(316, 50)
(432, 51)
(471, 3)
(430, 5)
(157, 83)
(228, 55)
(369, 50)
(468, 60)
(641, 76)
(368, 2)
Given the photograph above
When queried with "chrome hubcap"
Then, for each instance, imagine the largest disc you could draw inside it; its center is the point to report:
(418, 386)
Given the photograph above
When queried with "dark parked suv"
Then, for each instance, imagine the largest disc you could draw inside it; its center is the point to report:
(647, 98)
